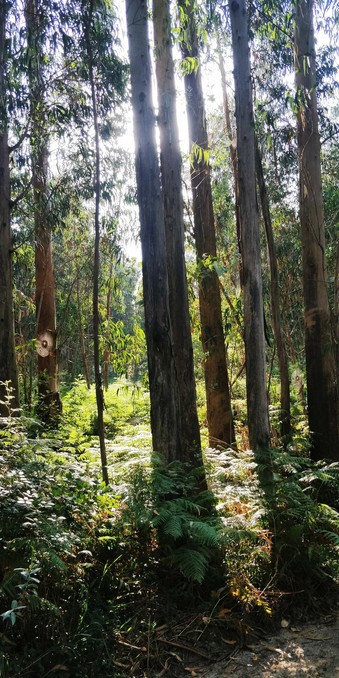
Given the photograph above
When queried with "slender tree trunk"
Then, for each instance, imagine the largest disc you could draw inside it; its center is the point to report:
(163, 377)
(257, 403)
(336, 310)
(219, 412)
(285, 401)
(322, 391)
(233, 152)
(96, 264)
(49, 405)
(174, 228)
(108, 315)
(82, 338)
(8, 364)
(30, 389)
(107, 356)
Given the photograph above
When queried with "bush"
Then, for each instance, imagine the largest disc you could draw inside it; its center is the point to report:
(50, 511)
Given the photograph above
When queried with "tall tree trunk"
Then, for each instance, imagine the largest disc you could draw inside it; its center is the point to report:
(8, 364)
(233, 151)
(257, 403)
(174, 229)
(164, 391)
(336, 311)
(285, 401)
(96, 264)
(82, 338)
(49, 405)
(218, 401)
(166, 420)
(107, 355)
(322, 391)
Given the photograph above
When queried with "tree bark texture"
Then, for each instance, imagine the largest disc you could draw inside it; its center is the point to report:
(174, 231)
(8, 364)
(218, 401)
(322, 389)
(49, 400)
(285, 401)
(257, 403)
(164, 392)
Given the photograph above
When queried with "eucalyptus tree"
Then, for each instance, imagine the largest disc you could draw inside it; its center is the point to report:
(95, 83)
(49, 405)
(218, 401)
(322, 387)
(171, 161)
(161, 367)
(74, 273)
(166, 422)
(285, 398)
(263, 194)
(88, 21)
(8, 365)
(257, 403)
(330, 176)
(231, 140)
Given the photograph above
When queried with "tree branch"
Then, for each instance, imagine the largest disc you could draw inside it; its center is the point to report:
(22, 138)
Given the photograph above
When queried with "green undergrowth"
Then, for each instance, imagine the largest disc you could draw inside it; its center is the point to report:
(126, 411)
(284, 553)
(86, 568)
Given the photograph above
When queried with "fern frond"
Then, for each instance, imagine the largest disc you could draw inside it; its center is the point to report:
(162, 515)
(173, 527)
(331, 537)
(328, 513)
(182, 504)
(192, 563)
(204, 534)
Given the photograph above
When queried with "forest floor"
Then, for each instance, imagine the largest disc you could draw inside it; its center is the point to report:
(227, 643)
(235, 645)
(302, 651)
(106, 604)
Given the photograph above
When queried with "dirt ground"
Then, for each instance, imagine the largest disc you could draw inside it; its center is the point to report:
(306, 651)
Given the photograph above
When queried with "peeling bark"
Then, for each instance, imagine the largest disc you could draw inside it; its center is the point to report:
(218, 400)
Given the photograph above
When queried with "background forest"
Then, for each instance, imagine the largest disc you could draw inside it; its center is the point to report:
(169, 327)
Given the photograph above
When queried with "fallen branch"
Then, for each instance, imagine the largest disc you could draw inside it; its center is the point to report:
(182, 646)
(132, 647)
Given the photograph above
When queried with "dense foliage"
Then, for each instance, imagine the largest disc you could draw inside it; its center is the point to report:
(86, 568)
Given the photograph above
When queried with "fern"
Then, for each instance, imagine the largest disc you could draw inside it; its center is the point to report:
(173, 526)
(191, 562)
(204, 534)
(329, 514)
(331, 537)
(300, 524)
(184, 518)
